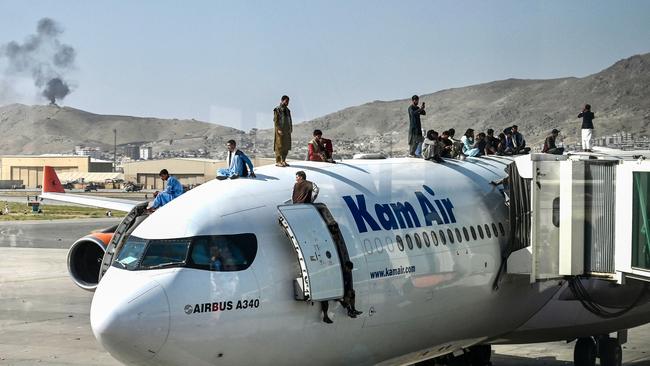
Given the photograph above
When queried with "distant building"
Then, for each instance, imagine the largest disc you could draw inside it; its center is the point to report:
(146, 153)
(93, 152)
(29, 168)
(132, 152)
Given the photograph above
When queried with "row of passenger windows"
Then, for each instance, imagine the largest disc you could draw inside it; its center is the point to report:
(440, 237)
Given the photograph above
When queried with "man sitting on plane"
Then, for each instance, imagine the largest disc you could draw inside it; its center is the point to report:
(319, 148)
(174, 189)
(238, 164)
(549, 144)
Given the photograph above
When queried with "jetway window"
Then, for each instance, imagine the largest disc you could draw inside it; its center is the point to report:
(458, 236)
(487, 231)
(471, 230)
(400, 243)
(409, 242)
(434, 238)
(556, 212)
(494, 229)
(418, 241)
(465, 233)
(480, 231)
(501, 229)
(451, 236)
(427, 241)
(442, 237)
(641, 220)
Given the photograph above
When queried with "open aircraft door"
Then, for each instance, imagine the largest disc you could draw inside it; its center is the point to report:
(318, 255)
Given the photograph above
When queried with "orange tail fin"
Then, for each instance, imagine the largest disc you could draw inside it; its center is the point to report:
(51, 182)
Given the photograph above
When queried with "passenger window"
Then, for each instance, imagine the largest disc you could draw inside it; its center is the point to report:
(501, 229)
(442, 237)
(400, 243)
(487, 231)
(389, 244)
(223, 252)
(465, 233)
(367, 245)
(418, 242)
(409, 242)
(378, 246)
(458, 237)
(434, 238)
(451, 236)
(480, 231)
(471, 230)
(494, 230)
(427, 241)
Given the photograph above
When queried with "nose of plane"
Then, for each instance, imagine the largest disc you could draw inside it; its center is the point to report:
(129, 316)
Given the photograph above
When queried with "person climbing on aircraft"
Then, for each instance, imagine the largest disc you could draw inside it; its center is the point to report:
(492, 143)
(173, 190)
(519, 141)
(415, 125)
(468, 143)
(457, 150)
(432, 147)
(549, 144)
(303, 189)
(349, 294)
(319, 148)
(283, 128)
(239, 165)
(587, 127)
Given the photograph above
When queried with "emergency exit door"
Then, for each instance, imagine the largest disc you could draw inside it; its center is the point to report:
(321, 277)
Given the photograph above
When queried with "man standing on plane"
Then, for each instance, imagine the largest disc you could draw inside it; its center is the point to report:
(173, 190)
(283, 129)
(239, 165)
(587, 127)
(415, 125)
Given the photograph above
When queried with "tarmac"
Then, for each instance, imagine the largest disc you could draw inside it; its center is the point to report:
(45, 318)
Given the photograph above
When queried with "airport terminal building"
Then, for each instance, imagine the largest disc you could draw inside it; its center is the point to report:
(29, 168)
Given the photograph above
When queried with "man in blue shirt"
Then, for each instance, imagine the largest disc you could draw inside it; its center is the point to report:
(239, 165)
(174, 189)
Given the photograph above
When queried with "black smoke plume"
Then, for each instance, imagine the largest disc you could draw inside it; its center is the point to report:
(44, 58)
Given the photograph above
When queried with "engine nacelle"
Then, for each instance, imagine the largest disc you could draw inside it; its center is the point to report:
(84, 261)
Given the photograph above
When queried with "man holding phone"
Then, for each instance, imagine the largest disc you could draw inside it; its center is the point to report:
(415, 125)
(587, 127)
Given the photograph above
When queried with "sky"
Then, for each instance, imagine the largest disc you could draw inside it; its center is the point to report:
(230, 62)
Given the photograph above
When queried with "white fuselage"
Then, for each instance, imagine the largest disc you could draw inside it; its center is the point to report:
(417, 303)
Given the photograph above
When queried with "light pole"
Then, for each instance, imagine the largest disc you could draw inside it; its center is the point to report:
(114, 150)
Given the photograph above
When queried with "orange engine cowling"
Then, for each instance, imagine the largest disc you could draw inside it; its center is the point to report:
(85, 259)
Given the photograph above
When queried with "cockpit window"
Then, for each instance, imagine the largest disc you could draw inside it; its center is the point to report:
(223, 252)
(211, 252)
(129, 256)
(165, 253)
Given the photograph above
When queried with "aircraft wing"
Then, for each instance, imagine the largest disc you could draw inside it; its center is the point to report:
(53, 190)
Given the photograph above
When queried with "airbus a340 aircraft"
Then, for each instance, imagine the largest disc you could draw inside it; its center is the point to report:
(426, 241)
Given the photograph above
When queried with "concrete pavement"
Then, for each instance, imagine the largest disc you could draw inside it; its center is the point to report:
(45, 319)
(49, 234)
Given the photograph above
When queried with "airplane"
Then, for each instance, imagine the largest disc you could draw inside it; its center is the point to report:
(426, 241)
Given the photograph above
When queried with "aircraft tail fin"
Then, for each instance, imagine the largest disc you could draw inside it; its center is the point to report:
(51, 182)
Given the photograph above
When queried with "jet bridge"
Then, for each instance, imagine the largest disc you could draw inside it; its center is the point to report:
(579, 215)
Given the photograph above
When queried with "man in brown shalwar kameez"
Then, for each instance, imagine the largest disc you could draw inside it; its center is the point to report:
(283, 129)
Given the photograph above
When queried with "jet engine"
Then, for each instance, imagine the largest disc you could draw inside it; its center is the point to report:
(85, 259)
